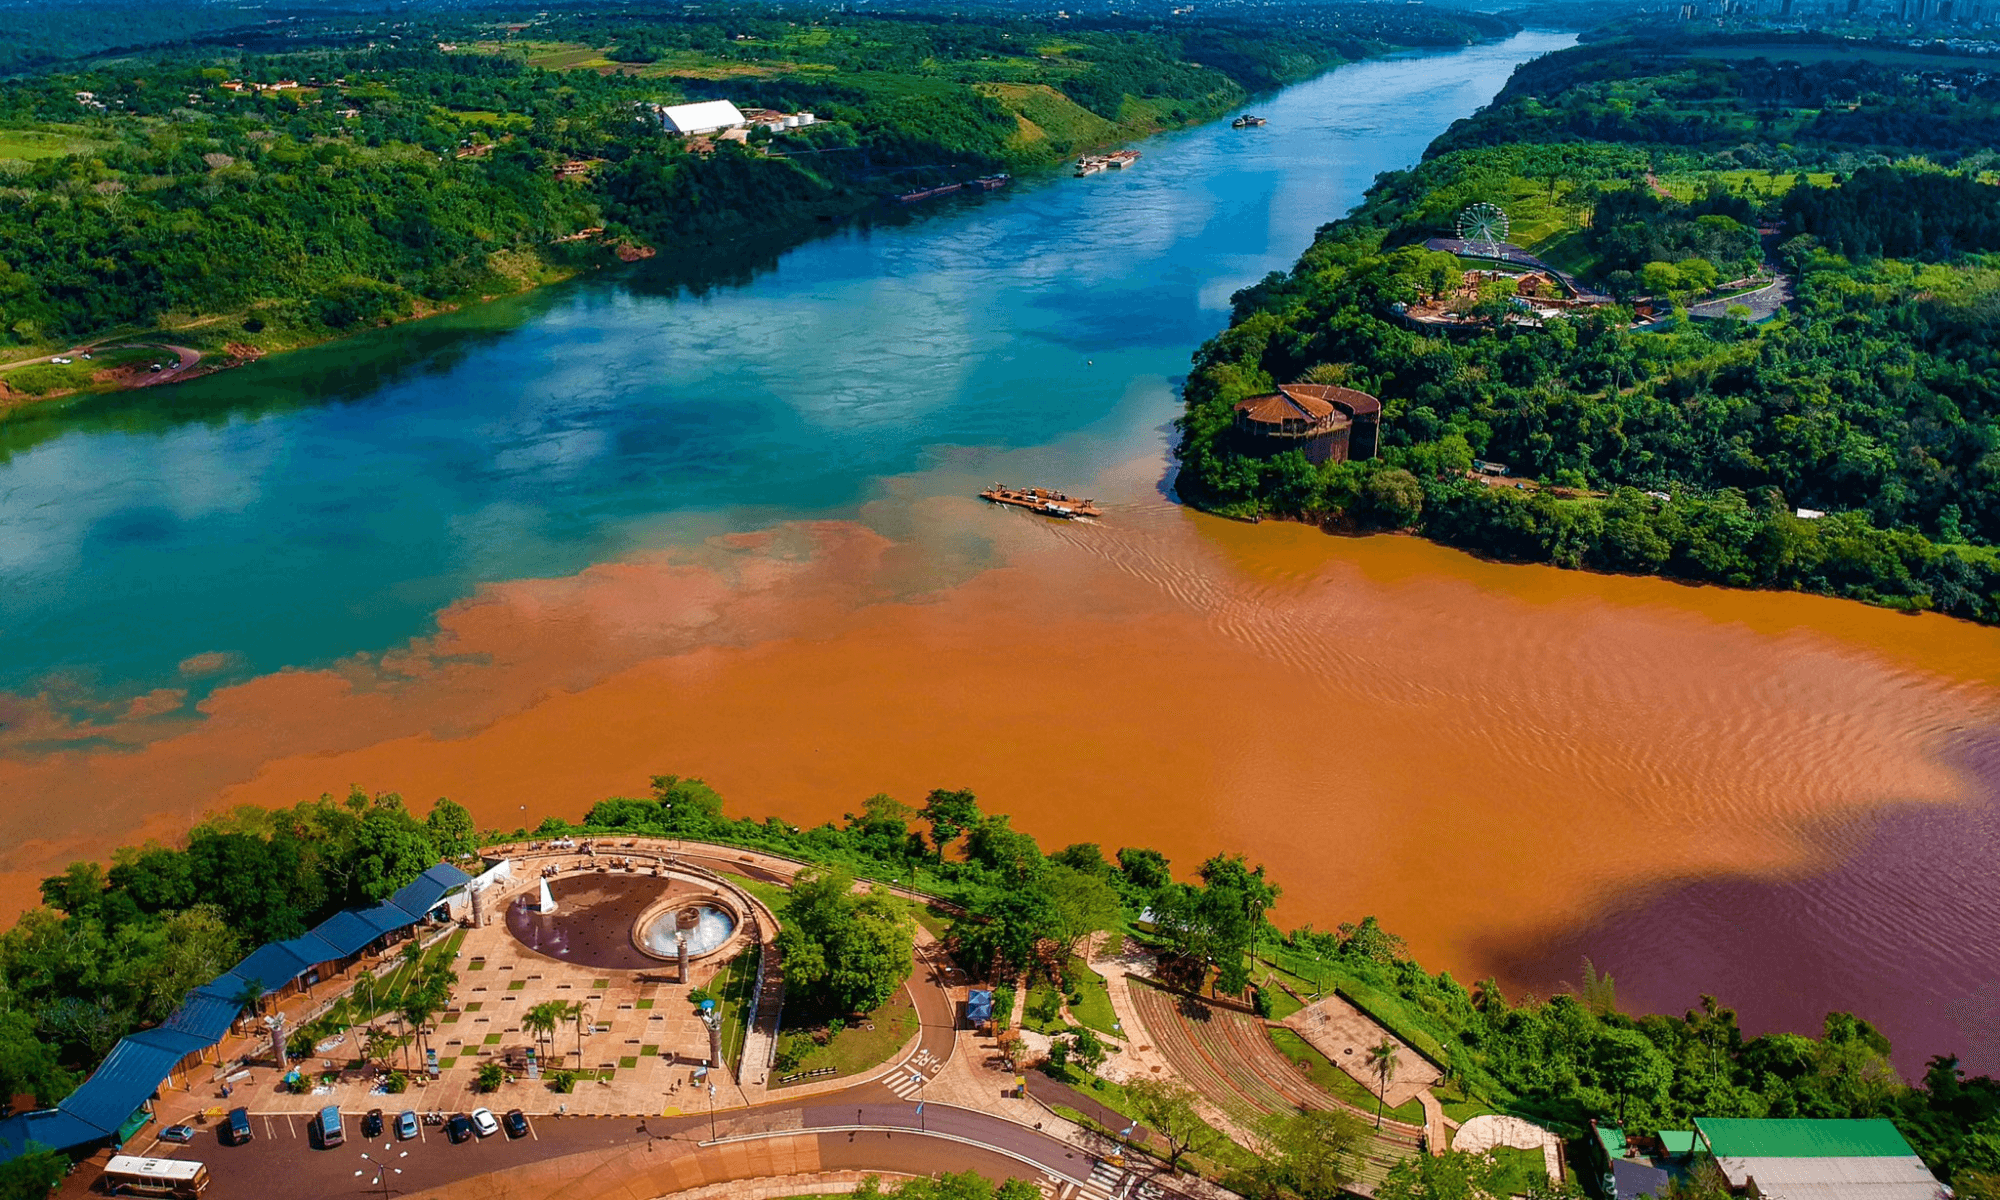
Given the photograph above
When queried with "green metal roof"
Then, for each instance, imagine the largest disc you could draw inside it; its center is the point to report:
(1677, 1141)
(1612, 1137)
(1738, 1137)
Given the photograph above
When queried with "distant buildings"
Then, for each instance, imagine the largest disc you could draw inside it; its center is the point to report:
(1771, 1159)
(1327, 423)
(708, 118)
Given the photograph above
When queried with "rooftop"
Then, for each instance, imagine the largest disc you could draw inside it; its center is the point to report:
(1741, 1137)
(1312, 402)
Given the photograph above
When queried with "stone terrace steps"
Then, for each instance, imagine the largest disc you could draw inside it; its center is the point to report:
(1230, 1060)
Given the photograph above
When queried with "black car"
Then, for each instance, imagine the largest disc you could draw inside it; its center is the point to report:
(459, 1128)
(371, 1125)
(515, 1123)
(236, 1127)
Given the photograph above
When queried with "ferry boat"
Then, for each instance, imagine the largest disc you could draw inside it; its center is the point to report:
(1043, 500)
(927, 193)
(1117, 160)
(1246, 121)
(989, 183)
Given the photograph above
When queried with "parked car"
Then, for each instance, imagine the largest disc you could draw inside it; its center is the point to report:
(177, 1133)
(331, 1132)
(483, 1122)
(371, 1125)
(516, 1123)
(236, 1127)
(459, 1128)
(406, 1124)
(60, 359)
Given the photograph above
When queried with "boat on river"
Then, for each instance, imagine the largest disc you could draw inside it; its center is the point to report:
(1117, 160)
(1246, 121)
(928, 193)
(1043, 500)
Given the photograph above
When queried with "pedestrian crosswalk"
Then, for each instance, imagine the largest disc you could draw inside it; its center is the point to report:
(906, 1080)
(1106, 1182)
(902, 1082)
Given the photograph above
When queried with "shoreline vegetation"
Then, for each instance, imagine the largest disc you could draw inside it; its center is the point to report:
(313, 185)
(113, 950)
(1651, 399)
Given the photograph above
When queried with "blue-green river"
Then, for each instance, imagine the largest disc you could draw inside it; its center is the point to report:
(478, 555)
(330, 501)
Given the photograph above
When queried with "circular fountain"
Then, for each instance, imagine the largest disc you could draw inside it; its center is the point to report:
(627, 921)
(706, 922)
(704, 926)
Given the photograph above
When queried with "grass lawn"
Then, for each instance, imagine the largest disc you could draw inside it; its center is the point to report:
(1336, 1082)
(46, 141)
(1044, 1011)
(856, 1047)
(1093, 1006)
(772, 894)
(733, 988)
(1518, 1169)
(931, 919)
(391, 990)
(40, 379)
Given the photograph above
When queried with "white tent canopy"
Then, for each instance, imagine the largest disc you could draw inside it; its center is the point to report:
(705, 117)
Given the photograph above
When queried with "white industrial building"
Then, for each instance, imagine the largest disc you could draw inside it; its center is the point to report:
(708, 116)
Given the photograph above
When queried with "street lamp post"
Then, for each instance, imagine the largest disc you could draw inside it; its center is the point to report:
(711, 1112)
(923, 1122)
(382, 1172)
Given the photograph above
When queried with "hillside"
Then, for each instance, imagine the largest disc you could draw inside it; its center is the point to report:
(1668, 411)
(335, 175)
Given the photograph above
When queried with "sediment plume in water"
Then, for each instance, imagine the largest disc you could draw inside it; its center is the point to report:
(1493, 759)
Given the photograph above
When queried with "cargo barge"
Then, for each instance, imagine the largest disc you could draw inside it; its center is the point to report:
(985, 183)
(1117, 160)
(1043, 500)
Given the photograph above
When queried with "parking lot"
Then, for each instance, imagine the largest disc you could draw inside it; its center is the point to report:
(284, 1160)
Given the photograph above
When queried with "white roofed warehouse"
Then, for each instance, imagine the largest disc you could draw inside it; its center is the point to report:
(708, 116)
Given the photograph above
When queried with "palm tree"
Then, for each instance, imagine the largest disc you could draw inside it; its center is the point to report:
(541, 1020)
(364, 1001)
(577, 1012)
(419, 1010)
(1383, 1059)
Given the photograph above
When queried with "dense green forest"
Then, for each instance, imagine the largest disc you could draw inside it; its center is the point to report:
(340, 175)
(1684, 446)
(116, 949)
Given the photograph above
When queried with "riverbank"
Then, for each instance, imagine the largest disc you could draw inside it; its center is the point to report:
(524, 554)
(1629, 448)
(409, 183)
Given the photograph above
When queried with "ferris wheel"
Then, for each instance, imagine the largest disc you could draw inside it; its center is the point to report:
(1482, 223)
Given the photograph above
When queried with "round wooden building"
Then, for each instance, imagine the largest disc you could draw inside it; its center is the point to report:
(1328, 423)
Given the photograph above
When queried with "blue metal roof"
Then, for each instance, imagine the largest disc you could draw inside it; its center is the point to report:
(180, 1043)
(48, 1129)
(312, 949)
(271, 966)
(422, 894)
(347, 932)
(130, 1073)
(979, 1005)
(138, 1064)
(210, 1009)
(385, 917)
